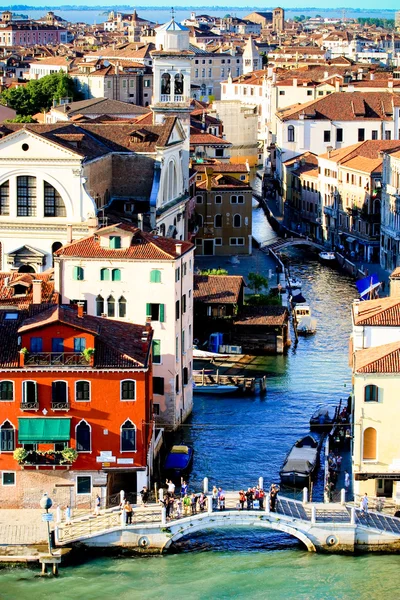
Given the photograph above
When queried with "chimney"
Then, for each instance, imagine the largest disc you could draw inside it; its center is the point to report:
(390, 84)
(209, 173)
(356, 306)
(295, 82)
(140, 221)
(37, 291)
(80, 306)
(178, 249)
(145, 340)
(69, 234)
(372, 76)
(329, 150)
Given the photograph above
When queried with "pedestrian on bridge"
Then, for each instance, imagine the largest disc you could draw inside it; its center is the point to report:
(186, 505)
(221, 499)
(242, 500)
(171, 487)
(261, 496)
(184, 487)
(193, 502)
(145, 496)
(128, 512)
(364, 505)
(249, 497)
(214, 497)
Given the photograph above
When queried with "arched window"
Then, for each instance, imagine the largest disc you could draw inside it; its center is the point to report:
(99, 306)
(59, 393)
(78, 274)
(104, 274)
(371, 393)
(83, 437)
(369, 445)
(116, 275)
(122, 308)
(5, 199)
(171, 181)
(290, 133)
(53, 203)
(26, 196)
(7, 437)
(218, 199)
(128, 437)
(111, 306)
(162, 230)
(178, 90)
(6, 390)
(199, 220)
(155, 276)
(128, 389)
(165, 84)
(218, 221)
(26, 269)
(237, 221)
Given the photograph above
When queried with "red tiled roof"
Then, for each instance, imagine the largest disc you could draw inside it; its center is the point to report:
(206, 139)
(144, 246)
(383, 312)
(217, 289)
(221, 167)
(9, 280)
(378, 359)
(262, 315)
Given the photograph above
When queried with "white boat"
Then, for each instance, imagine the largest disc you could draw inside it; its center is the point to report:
(234, 260)
(294, 283)
(327, 256)
(206, 355)
(306, 325)
(214, 389)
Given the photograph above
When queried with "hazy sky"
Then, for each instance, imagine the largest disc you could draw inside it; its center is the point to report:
(365, 4)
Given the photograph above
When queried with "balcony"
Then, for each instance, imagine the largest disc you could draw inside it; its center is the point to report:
(34, 405)
(55, 359)
(45, 459)
(60, 405)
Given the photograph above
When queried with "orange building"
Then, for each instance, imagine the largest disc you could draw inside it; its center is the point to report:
(75, 406)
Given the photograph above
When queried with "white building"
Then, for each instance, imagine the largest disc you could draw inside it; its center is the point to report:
(121, 272)
(390, 212)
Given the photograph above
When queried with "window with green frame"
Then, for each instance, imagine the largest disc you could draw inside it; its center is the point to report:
(116, 275)
(115, 242)
(155, 276)
(156, 352)
(78, 274)
(104, 274)
(155, 312)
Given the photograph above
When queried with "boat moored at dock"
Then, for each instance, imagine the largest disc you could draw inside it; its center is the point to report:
(178, 461)
(327, 257)
(300, 463)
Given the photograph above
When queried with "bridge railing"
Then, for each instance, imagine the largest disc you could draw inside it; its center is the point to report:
(377, 503)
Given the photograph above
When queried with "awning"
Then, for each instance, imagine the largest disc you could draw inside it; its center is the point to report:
(349, 240)
(42, 430)
(387, 475)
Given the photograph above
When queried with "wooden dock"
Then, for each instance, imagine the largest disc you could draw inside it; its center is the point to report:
(244, 384)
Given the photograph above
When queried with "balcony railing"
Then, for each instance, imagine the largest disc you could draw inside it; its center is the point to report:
(52, 459)
(56, 359)
(34, 405)
(173, 98)
(57, 405)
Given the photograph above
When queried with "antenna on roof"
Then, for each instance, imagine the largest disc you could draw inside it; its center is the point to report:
(172, 13)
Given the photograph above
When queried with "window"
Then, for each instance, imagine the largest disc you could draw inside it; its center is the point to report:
(281, 92)
(290, 133)
(157, 352)
(122, 307)
(361, 135)
(83, 484)
(183, 341)
(327, 136)
(236, 241)
(388, 135)
(177, 348)
(237, 221)
(58, 446)
(8, 478)
(156, 409)
(7, 437)
(78, 274)
(57, 344)
(369, 445)
(233, 199)
(309, 92)
(183, 303)
(79, 344)
(219, 152)
(59, 392)
(184, 269)
(218, 199)
(36, 344)
(177, 384)
(6, 390)
(11, 316)
(155, 276)
(29, 392)
(116, 275)
(199, 199)
(339, 135)
(83, 437)
(371, 393)
(111, 306)
(218, 221)
(115, 242)
(82, 391)
(104, 274)
(128, 437)
(99, 306)
(176, 310)
(155, 312)
(158, 385)
(53, 203)
(26, 196)
(5, 199)
(128, 389)
(177, 274)
(185, 376)
(218, 241)
(374, 134)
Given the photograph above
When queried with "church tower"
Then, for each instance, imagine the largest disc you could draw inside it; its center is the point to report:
(171, 79)
(252, 60)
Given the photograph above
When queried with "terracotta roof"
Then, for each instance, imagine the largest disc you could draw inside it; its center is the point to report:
(383, 312)
(378, 359)
(104, 106)
(369, 149)
(221, 168)
(262, 315)
(144, 246)
(9, 280)
(217, 289)
(395, 274)
(206, 139)
(219, 182)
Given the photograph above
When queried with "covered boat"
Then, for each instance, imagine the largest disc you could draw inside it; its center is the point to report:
(214, 388)
(307, 325)
(323, 418)
(300, 463)
(179, 460)
(327, 257)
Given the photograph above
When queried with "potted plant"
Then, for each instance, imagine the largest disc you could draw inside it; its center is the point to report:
(20, 455)
(88, 355)
(22, 356)
(69, 455)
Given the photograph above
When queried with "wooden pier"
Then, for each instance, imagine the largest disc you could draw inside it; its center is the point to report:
(244, 384)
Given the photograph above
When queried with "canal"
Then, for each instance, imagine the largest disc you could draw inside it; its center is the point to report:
(236, 440)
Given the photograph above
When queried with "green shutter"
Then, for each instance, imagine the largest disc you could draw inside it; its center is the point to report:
(116, 275)
(148, 310)
(155, 276)
(77, 274)
(104, 274)
(162, 313)
(115, 242)
(156, 351)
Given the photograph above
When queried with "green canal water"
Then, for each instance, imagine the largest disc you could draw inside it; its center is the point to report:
(236, 440)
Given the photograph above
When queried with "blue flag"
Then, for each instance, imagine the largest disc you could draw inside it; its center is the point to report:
(367, 285)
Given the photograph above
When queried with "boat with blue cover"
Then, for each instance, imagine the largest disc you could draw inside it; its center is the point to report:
(179, 460)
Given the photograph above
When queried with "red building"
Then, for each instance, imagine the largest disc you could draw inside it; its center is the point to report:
(72, 381)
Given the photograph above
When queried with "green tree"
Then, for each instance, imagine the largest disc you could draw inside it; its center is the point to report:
(21, 119)
(257, 282)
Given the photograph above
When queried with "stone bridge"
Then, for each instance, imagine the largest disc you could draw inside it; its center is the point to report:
(320, 527)
(276, 245)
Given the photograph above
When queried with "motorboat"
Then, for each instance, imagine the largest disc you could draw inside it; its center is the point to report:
(294, 283)
(323, 418)
(214, 388)
(327, 256)
(179, 460)
(206, 355)
(307, 325)
(300, 463)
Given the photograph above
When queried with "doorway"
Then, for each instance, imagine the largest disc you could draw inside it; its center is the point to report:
(117, 481)
(208, 247)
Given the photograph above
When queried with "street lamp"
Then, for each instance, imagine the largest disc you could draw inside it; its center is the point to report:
(46, 503)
